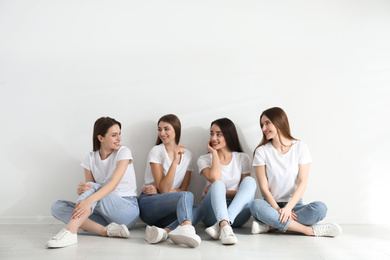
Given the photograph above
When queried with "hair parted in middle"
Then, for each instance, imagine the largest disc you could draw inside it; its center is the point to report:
(279, 118)
(229, 132)
(175, 122)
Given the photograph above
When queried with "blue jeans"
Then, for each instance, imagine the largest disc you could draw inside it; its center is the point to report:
(235, 211)
(169, 210)
(307, 215)
(112, 208)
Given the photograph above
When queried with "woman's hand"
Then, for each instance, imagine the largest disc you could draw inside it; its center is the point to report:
(286, 215)
(210, 148)
(177, 152)
(82, 207)
(83, 187)
(149, 190)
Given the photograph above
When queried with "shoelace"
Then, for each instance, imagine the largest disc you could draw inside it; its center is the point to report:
(116, 231)
(228, 232)
(60, 235)
(322, 230)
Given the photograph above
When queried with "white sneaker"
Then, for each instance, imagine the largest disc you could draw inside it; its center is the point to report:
(62, 239)
(258, 227)
(185, 235)
(154, 235)
(326, 230)
(227, 236)
(115, 230)
(214, 231)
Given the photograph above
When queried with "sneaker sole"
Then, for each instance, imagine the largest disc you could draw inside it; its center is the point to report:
(59, 246)
(212, 233)
(184, 240)
(152, 235)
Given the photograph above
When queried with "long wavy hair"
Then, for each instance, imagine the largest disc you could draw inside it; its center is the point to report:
(279, 118)
(175, 122)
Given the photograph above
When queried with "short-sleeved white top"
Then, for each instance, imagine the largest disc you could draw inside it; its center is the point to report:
(159, 155)
(102, 170)
(231, 173)
(282, 169)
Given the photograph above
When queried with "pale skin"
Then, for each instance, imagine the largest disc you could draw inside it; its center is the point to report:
(163, 182)
(282, 145)
(221, 155)
(79, 217)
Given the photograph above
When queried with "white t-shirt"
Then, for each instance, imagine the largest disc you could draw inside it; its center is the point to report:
(282, 169)
(102, 170)
(231, 173)
(159, 155)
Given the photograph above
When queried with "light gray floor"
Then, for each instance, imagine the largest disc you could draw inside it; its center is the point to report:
(27, 241)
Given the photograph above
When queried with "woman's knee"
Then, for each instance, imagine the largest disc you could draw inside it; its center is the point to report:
(319, 207)
(258, 206)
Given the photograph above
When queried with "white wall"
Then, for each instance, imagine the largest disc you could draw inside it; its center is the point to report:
(63, 64)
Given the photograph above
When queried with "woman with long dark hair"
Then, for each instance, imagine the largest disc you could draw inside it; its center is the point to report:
(229, 189)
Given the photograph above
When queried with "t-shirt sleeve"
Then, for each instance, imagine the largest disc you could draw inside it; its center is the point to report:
(259, 158)
(246, 164)
(304, 154)
(86, 164)
(203, 162)
(124, 154)
(155, 156)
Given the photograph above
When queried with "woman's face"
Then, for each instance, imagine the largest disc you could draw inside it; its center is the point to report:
(112, 139)
(166, 132)
(217, 140)
(269, 129)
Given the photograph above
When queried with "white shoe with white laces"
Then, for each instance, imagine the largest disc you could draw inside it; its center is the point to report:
(62, 239)
(326, 230)
(227, 236)
(115, 230)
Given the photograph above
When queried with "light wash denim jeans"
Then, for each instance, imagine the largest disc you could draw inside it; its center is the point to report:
(235, 211)
(169, 210)
(307, 214)
(112, 208)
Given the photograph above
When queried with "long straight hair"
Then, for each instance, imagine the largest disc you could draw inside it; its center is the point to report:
(229, 132)
(175, 122)
(279, 118)
(101, 127)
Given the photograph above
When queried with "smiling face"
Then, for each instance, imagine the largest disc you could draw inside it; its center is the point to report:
(166, 132)
(112, 139)
(268, 128)
(217, 139)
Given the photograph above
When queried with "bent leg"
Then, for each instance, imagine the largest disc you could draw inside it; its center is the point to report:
(262, 211)
(242, 200)
(311, 213)
(121, 210)
(215, 204)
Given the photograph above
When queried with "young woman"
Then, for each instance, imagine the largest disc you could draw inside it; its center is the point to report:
(107, 204)
(282, 165)
(229, 189)
(165, 202)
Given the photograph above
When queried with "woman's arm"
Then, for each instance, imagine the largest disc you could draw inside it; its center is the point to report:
(185, 185)
(83, 206)
(164, 182)
(214, 173)
(303, 176)
(83, 186)
(263, 185)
